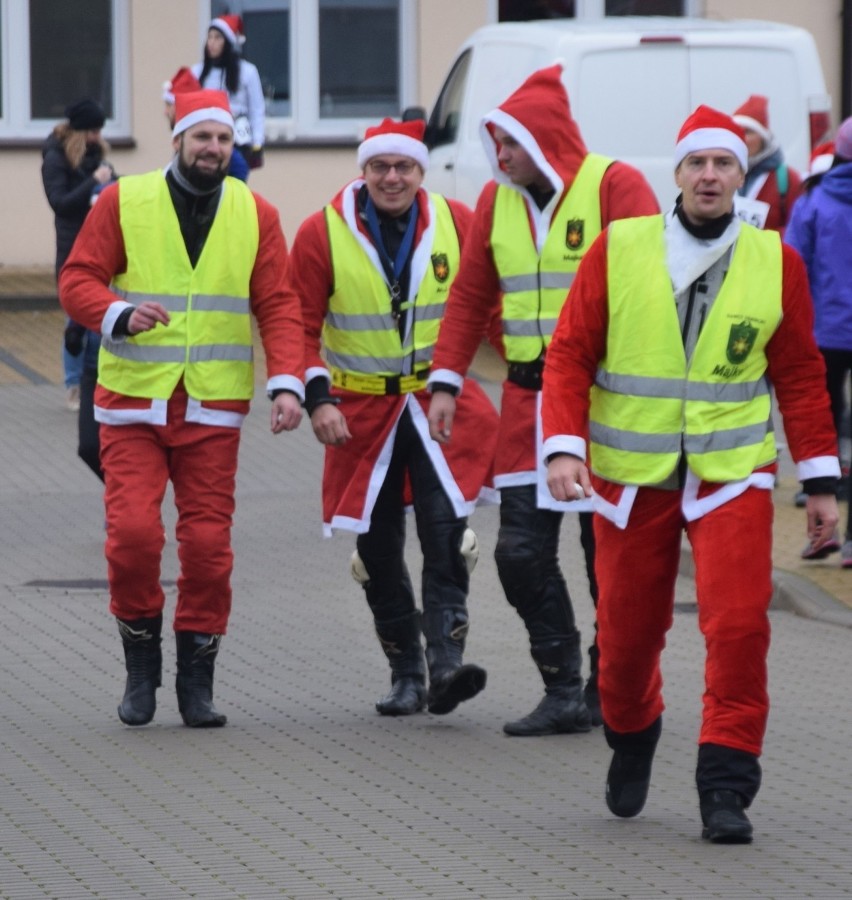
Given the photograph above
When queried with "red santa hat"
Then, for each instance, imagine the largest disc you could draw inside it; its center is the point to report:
(182, 81)
(232, 27)
(822, 156)
(709, 129)
(193, 107)
(754, 116)
(401, 138)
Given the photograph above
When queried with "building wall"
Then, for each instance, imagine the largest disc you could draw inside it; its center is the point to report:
(299, 180)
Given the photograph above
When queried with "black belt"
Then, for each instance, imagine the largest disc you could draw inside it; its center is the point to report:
(527, 374)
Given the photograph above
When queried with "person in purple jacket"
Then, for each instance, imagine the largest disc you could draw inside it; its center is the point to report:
(820, 229)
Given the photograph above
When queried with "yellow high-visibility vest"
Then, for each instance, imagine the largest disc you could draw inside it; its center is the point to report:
(360, 333)
(648, 403)
(535, 286)
(208, 341)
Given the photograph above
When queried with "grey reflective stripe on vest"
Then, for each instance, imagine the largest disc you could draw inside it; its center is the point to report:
(147, 353)
(152, 353)
(221, 353)
(220, 303)
(632, 441)
(172, 302)
(726, 439)
(513, 284)
(360, 321)
(528, 327)
(678, 389)
(428, 313)
(372, 365)
(200, 302)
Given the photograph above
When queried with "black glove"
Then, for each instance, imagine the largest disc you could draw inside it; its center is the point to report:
(74, 335)
(254, 157)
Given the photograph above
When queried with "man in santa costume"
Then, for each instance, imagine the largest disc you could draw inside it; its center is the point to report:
(533, 223)
(769, 180)
(373, 270)
(169, 267)
(659, 371)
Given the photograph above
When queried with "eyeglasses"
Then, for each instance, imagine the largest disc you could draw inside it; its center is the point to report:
(379, 167)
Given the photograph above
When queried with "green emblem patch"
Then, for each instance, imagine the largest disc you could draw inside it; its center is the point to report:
(740, 342)
(441, 267)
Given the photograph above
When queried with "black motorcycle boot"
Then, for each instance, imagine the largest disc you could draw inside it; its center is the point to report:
(196, 658)
(400, 640)
(724, 819)
(728, 780)
(629, 775)
(450, 681)
(143, 658)
(563, 709)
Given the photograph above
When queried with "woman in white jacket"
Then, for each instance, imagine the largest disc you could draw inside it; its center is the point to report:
(223, 69)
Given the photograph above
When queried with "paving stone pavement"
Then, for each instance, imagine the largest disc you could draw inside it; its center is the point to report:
(308, 793)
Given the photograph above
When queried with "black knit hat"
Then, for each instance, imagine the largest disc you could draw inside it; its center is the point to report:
(85, 115)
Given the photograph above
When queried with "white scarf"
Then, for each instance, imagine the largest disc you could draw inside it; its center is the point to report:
(688, 257)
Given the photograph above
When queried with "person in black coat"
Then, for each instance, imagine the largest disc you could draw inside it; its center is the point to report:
(73, 170)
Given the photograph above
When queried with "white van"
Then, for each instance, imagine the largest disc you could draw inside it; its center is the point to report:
(631, 82)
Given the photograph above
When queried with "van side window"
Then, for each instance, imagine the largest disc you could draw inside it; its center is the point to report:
(444, 122)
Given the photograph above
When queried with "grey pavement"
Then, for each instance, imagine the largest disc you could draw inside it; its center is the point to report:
(308, 793)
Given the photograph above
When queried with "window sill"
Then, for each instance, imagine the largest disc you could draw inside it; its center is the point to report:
(117, 143)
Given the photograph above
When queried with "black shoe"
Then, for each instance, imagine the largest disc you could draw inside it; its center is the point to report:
(724, 818)
(407, 696)
(627, 783)
(451, 688)
(629, 775)
(559, 712)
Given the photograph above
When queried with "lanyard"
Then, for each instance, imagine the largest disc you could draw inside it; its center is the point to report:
(393, 268)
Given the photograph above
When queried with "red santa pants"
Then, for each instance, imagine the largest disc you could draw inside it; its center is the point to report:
(636, 570)
(201, 461)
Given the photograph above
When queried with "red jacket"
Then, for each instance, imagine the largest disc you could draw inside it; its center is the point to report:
(355, 470)
(538, 116)
(98, 255)
(795, 369)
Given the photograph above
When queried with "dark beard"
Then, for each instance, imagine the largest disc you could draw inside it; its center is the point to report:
(201, 181)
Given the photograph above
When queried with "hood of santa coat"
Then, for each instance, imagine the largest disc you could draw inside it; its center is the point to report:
(538, 116)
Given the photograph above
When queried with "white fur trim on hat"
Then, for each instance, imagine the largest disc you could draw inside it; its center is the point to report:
(400, 144)
(221, 25)
(702, 139)
(753, 125)
(208, 114)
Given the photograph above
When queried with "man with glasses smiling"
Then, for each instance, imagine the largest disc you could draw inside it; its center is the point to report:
(373, 270)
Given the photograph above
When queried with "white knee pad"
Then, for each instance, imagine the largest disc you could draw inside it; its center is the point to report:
(358, 569)
(470, 549)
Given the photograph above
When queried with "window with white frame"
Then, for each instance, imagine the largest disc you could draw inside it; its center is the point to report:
(53, 53)
(328, 67)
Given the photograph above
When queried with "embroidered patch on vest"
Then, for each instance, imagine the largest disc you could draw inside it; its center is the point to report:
(441, 267)
(574, 234)
(740, 342)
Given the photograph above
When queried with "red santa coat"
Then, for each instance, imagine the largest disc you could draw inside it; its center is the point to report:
(794, 367)
(765, 189)
(99, 254)
(538, 116)
(355, 471)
